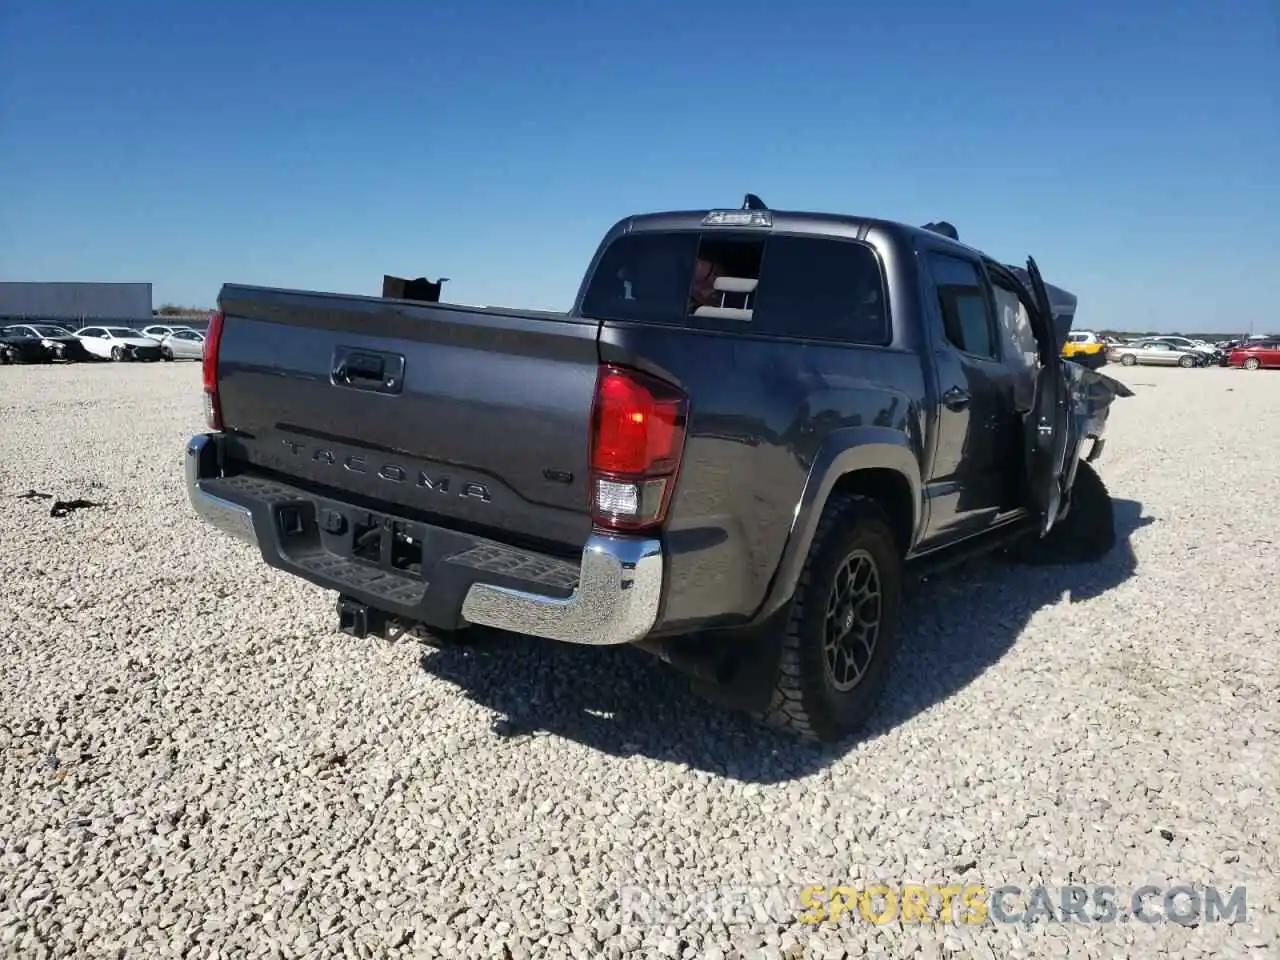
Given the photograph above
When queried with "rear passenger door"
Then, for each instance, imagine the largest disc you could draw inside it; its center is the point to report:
(970, 483)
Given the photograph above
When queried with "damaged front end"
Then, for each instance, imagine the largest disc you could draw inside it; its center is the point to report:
(1092, 394)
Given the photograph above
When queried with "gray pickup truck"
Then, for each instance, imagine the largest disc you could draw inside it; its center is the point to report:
(748, 433)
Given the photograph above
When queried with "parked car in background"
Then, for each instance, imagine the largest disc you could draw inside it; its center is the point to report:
(183, 345)
(59, 341)
(18, 346)
(118, 343)
(1256, 354)
(1225, 347)
(158, 331)
(1155, 353)
(1211, 353)
(1085, 348)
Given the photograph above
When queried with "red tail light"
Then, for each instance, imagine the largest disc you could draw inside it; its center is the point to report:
(212, 408)
(637, 441)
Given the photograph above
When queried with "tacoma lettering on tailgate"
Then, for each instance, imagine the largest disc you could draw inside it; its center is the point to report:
(391, 472)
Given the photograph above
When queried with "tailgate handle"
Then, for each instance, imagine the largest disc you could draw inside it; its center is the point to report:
(367, 370)
(363, 366)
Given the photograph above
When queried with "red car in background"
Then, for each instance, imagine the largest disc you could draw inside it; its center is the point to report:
(1260, 353)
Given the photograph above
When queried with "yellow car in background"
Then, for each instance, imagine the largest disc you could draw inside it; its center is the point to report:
(1085, 348)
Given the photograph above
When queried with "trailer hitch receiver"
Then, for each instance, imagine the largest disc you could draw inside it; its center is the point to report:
(359, 619)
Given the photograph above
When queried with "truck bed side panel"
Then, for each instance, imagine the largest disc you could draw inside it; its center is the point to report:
(760, 411)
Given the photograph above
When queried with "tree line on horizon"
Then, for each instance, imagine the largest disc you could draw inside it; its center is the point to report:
(174, 310)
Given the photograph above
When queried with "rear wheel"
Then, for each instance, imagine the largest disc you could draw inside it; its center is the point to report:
(842, 630)
(1253, 363)
(1128, 360)
(1085, 535)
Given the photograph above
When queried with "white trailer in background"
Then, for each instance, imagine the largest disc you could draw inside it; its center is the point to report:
(75, 303)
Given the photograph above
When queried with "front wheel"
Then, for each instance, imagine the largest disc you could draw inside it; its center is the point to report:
(842, 630)
(1187, 361)
(166, 353)
(1085, 535)
(117, 353)
(1128, 360)
(1253, 363)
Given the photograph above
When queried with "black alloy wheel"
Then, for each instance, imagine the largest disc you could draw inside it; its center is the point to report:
(852, 626)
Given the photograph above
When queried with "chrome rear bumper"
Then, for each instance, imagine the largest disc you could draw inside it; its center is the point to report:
(616, 601)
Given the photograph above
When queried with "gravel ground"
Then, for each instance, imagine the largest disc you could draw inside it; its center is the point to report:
(196, 763)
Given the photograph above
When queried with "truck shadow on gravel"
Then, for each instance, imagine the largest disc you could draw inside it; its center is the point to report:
(623, 702)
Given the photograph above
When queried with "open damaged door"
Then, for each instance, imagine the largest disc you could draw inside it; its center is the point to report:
(1048, 424)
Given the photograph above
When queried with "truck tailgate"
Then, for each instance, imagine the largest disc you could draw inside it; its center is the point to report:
(471, 415)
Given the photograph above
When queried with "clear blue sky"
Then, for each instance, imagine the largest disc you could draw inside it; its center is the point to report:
(1133, 148)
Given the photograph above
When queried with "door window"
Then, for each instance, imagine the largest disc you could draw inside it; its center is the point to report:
(1018, 339)
(967, 315)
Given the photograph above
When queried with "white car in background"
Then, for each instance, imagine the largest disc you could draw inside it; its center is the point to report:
(118, 343)
(158, 331)
(183, 345)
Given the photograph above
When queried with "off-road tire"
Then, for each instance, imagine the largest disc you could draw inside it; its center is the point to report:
(1085, 535)
(806, 702)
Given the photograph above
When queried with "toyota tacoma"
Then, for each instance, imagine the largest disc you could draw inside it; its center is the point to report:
(750, 429)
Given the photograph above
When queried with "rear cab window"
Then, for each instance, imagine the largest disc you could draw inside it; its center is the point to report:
(779, 285)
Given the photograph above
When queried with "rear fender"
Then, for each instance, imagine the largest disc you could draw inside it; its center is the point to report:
(844, 452)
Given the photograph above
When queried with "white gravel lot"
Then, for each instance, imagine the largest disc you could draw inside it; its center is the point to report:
(196, 763)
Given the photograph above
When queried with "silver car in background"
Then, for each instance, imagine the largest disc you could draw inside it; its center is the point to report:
(1155, 353)
(183, 345)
